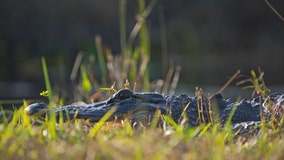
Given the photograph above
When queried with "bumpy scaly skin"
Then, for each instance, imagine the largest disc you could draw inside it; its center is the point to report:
(129, 103)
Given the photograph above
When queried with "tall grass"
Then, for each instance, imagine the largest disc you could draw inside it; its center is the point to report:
(46, 79)
(131, 65)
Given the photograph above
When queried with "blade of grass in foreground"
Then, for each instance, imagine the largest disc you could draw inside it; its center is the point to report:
(156, 119)
(98, 125)
(52, 119)
(228, 125)
(46, 79)
(204, 130)
(171, 122)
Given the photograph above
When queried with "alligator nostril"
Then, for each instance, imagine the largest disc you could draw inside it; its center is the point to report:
(124, 94)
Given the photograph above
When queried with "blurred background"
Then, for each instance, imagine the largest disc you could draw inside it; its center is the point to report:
(210, 40)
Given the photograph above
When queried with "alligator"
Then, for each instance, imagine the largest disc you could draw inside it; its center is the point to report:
(194, 109)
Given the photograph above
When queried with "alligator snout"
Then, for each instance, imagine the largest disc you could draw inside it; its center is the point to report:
(36, 109)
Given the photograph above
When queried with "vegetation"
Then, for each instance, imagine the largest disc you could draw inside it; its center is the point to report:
(23, 137)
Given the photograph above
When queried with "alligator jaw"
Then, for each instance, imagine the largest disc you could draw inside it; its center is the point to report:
(126, 102)
(37, 109)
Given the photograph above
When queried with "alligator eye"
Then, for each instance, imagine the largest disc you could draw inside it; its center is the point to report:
(124, 94)
(120, 95)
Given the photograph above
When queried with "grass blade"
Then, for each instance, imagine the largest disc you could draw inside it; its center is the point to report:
(97, 127)
(102, 61)
(122, 25)
(228, 125)
(86, 84)
(46, 79)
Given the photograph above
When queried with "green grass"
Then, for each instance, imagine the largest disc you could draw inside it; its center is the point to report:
(23, 137)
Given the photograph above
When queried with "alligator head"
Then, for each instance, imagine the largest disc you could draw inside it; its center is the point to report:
(126, 104)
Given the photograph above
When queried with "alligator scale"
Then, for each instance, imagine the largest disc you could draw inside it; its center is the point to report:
(129, 103)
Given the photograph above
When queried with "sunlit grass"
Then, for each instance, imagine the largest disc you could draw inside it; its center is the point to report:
(22, 138)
